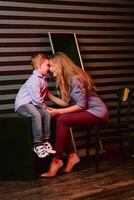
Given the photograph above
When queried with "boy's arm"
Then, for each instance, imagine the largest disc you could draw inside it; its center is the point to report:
(57, 100)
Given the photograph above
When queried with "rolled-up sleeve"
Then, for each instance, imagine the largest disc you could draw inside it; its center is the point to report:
(79, 92)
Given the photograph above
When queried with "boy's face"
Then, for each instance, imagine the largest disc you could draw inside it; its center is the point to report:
(44, 67)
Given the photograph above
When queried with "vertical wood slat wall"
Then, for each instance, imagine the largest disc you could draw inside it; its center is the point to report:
(105, 33)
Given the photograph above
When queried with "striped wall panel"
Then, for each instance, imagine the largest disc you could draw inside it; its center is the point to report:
(105, 33)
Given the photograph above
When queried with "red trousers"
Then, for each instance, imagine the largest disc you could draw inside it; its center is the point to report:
(63, 142)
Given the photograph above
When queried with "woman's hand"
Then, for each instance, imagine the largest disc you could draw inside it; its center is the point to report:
(57, 100)
(59, 111)
(53, 111)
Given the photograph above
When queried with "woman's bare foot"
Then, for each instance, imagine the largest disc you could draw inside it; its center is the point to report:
(56, 164)
(73, 159)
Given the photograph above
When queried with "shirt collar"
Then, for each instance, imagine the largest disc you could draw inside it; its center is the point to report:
(35, 72)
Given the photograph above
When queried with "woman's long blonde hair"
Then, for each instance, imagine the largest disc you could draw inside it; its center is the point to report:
(67, 69)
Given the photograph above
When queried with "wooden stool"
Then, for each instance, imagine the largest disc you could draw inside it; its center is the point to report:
(95, 129)
(123, 126)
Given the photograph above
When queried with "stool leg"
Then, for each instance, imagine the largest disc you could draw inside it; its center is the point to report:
(102, 150)
(97, 144)
(73, 142)
(119, 129)
(120, 139)
(87, 141)
(130, 144)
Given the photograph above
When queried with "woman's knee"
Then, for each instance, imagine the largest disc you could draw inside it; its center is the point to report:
(61, 119)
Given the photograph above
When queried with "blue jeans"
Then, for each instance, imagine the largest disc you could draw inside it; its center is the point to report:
(40, 121)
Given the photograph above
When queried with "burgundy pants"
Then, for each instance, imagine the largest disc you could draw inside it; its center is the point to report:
(63, 142)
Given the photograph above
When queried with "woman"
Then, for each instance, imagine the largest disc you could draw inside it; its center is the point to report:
(85, 107)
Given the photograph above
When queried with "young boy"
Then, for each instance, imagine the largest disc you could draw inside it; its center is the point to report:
(30, 101)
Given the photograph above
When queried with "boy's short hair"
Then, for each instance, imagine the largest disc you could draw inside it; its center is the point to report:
(38, 59)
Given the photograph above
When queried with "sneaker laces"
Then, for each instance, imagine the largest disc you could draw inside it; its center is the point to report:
(49, 148)
(41, 151)
(47, 145)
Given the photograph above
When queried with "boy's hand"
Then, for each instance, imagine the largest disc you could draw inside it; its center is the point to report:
(54, 112)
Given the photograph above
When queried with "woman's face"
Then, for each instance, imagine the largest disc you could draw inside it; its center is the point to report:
(54, 69)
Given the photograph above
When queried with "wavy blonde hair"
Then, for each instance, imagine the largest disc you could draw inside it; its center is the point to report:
(67, 69)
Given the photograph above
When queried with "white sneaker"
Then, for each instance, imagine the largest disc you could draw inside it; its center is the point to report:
(41, 151)
(49, 148)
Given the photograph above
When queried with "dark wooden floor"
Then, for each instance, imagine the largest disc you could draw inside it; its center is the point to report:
(114, 182)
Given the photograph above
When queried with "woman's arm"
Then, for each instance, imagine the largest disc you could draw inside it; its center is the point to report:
(60, 111)
(57, 100)
(79, 96)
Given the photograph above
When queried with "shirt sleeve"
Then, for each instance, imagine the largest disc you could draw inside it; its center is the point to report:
(79, 92)
(34, 88)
